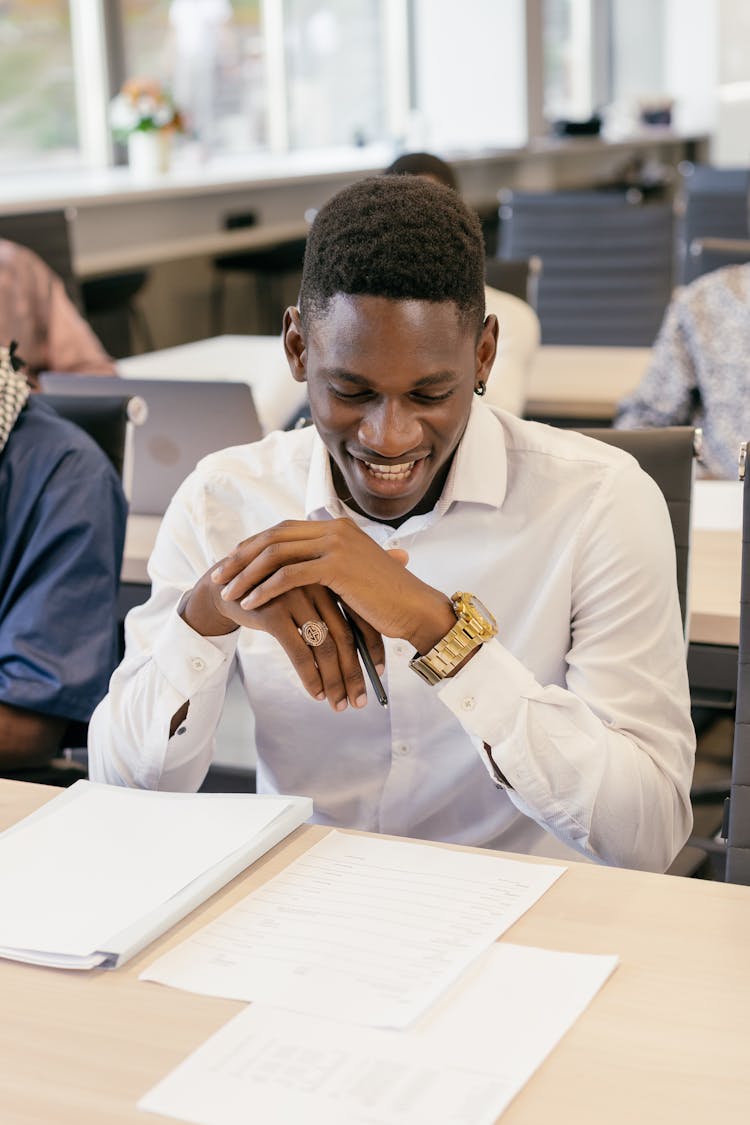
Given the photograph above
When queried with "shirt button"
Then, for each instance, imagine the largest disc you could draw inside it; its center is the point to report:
(469, 703)
(198, 663)
(402, 748)
(181, 730)
(400, 649)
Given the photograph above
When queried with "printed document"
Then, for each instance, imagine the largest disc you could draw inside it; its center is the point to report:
(460, 1065)
(359, 928)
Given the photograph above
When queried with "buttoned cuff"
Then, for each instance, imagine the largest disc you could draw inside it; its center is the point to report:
(190, 662)
(485, 696)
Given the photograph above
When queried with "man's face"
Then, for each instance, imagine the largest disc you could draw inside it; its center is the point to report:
(390, 385)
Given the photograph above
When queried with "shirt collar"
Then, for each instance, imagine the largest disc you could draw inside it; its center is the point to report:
(478, 475)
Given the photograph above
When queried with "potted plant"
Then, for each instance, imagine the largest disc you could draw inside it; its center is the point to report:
(144, 116)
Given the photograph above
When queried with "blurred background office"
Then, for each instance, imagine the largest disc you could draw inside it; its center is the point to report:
(280, 102)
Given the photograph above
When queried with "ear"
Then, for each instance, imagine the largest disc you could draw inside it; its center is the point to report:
(294, 344)
(486, 348)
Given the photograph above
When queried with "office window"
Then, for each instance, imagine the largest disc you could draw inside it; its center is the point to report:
(37, 90)
(335, 68)
(211, 54)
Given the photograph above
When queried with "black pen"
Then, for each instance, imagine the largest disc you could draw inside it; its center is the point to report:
(364, 655)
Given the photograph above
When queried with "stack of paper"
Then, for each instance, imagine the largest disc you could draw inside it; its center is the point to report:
(98, 872)
(459, 1065)
(380, 995)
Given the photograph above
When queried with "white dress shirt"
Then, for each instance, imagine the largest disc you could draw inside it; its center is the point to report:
(583, 696)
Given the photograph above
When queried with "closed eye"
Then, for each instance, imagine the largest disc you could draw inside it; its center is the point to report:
(347, 396)
(420, 397)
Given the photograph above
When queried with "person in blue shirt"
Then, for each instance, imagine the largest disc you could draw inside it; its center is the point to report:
(62, 529)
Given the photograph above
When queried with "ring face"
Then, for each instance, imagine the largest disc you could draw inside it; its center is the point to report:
(314, 633)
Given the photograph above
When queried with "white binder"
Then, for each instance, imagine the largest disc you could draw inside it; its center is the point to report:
(138, 861)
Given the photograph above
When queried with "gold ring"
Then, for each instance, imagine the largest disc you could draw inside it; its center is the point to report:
(314, 633)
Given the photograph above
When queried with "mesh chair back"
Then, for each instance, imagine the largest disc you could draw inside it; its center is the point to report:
(713, 204)
(668, 455)
(738, 827)
(47, 233)
(608, 262)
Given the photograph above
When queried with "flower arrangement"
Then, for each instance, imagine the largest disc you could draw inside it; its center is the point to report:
(143, 106)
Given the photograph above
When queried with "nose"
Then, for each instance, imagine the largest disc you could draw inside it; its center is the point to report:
(390, 428)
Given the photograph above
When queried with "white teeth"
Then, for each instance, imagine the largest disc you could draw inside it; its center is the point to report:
(391, 472)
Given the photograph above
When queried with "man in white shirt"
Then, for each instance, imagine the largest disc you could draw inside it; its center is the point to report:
(568, 728)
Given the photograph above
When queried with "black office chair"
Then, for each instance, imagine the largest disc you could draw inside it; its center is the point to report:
(708, 254)
(47, 233)
(711, 203)
(518, 276)
(274, 269)
(107, 419)
(667, 454)
(737, 818)
(608, 262)
(113, 313)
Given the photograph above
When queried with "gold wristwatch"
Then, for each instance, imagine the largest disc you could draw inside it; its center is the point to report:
(475, 625)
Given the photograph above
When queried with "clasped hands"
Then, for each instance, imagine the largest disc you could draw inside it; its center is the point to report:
(297, 572)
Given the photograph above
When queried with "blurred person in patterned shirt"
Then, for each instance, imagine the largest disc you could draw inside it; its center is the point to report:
(700, 369)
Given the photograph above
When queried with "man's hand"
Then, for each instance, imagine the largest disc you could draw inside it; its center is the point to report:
(337, 555)
(330, 671)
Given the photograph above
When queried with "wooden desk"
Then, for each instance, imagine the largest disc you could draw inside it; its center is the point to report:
(582, 383)
(665, 1040)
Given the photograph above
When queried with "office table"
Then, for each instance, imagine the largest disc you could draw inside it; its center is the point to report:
(582, 385)
(666, 1039)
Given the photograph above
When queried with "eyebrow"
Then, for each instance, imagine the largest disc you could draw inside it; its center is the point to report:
(438, 378)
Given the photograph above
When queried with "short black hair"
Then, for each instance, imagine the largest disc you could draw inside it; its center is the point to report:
(399, 237)
(423, 164)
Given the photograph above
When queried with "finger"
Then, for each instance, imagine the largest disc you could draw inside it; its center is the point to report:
(249, 549)
(291, 576)
(336, 656)
(302, 660)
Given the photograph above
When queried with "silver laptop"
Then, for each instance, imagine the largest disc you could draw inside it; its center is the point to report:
(186, 420)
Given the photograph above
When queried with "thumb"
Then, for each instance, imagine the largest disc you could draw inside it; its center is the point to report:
(399, 555)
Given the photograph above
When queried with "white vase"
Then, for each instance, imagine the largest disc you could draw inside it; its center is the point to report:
(148, 154)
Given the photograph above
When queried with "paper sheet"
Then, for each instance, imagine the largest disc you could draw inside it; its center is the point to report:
(91, 867)
(462, 1063)
(360, 928)
(717, 505)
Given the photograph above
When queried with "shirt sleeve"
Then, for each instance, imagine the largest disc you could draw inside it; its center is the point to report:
(166, 664)
(666, 395)
(58, 636)
(605, 761)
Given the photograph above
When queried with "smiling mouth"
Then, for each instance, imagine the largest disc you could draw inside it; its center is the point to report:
(400, 472)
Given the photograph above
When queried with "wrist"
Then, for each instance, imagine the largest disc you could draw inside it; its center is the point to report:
(438, 620)
(202, 611)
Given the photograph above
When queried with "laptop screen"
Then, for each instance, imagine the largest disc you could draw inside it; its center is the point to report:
(186, 421)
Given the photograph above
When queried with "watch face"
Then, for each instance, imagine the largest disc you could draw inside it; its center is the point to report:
(475, 614)
(480, 608)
